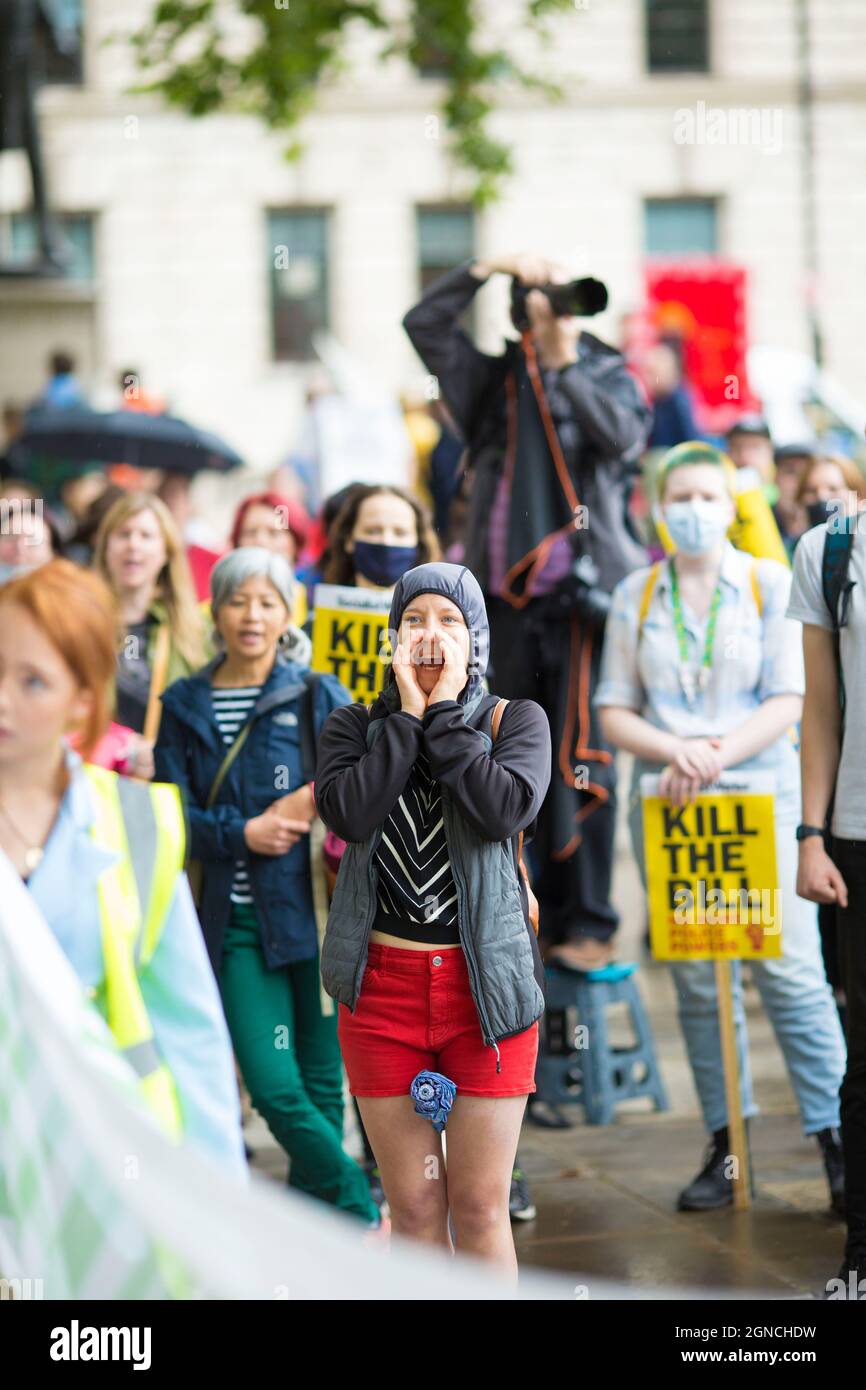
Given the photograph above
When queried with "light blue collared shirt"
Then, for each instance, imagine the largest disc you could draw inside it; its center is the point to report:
(755, 656)
(178, 985)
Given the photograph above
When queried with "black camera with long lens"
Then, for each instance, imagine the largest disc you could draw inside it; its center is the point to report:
(580, 298)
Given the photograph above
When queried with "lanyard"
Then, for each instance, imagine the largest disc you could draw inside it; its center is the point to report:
(690, 685)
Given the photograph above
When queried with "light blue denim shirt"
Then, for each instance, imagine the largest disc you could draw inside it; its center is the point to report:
(755, 656)
(178, 985)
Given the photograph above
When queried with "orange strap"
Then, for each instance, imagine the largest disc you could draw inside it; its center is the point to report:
(158, 677)
(579, 668)
(496, 719)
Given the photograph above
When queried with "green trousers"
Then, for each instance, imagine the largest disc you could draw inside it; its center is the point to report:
(289, 1057)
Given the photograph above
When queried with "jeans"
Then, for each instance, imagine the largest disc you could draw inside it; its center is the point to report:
(793, 988)
(289, 1057)
(850, 857)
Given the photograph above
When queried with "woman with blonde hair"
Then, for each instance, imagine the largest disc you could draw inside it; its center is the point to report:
(140, 554)
(830, 484)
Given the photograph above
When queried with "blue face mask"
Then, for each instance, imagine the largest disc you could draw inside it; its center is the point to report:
(696, 526)
(384, 564)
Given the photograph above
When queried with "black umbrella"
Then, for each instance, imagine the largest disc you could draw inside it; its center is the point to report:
(77, 433)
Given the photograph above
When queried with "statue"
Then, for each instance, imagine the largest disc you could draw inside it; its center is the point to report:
(20, 21)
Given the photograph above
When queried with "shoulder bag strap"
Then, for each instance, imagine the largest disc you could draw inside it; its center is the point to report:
(226, 763)
(834, 569)
(647, 594)
(308, 726)
(496, 719)
(158, 676)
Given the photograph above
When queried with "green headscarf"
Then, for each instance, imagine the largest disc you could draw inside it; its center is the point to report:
(693, 451)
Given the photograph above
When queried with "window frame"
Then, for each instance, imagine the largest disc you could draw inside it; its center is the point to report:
(468, 320)
(61, 217)
(306, 212)
(709, 200)
(44, 77)
(678, 69)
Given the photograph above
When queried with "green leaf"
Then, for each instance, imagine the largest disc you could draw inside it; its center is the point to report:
(294, 48)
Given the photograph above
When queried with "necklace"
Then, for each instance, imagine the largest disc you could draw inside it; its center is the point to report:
(691, 684)
(32, 853)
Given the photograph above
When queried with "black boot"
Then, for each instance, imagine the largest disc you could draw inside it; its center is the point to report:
(711, 1188)
(830, 1142)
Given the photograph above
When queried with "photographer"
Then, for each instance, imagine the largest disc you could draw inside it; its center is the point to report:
(554, 427)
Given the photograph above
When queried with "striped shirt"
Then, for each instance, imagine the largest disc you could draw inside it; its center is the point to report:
(232, 709)
(415, 880)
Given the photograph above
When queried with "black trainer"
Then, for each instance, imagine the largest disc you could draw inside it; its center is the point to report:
(830, 1141)
(520, 1204)
(711, 1188)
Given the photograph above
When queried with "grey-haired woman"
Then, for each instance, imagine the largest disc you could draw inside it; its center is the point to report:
(239, 739)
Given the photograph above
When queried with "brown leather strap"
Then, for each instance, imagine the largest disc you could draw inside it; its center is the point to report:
(158, 677)
(496, 720)
(547, 420)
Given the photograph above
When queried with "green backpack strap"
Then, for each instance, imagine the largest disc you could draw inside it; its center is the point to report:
(834, 570)
(836, 585)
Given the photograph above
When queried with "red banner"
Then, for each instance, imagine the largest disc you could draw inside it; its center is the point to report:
(702, 302)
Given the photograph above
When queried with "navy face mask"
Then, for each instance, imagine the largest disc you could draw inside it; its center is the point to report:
(384, 564)
(819, 512)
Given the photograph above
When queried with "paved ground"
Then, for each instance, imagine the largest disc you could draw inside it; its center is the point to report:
(606, 1194)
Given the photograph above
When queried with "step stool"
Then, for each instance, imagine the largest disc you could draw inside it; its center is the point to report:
(596, 1076)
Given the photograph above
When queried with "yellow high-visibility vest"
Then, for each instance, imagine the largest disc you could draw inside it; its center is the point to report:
(144, 827)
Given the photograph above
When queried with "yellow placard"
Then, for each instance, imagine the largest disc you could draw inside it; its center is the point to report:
(350, 637)
(712, 881)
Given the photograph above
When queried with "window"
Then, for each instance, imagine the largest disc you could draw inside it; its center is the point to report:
(677, 35)
(680, 226)
(59, 42)
(446, 237)
(297, 255)
(76, 237)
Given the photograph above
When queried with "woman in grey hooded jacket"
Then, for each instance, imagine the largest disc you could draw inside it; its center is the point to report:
(429, 945)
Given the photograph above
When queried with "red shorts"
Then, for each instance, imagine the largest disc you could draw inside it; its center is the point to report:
(416, 1013)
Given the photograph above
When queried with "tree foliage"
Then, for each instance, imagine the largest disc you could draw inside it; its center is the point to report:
(191, 58)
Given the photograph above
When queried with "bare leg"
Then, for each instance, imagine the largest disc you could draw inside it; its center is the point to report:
(409, 1156)
(482, 1138)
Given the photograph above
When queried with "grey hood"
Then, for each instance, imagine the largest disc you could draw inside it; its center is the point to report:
(458, 584)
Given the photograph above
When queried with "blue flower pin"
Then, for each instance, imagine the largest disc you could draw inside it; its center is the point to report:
(433, 1095)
